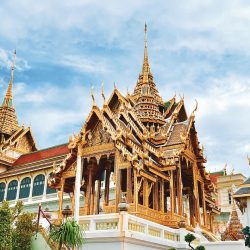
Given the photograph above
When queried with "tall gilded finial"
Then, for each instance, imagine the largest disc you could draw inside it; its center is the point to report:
(145, 66)
(8, 97)
(92, 95)
(145, 36)
(103, 96)
(225, 169)
(248, 159)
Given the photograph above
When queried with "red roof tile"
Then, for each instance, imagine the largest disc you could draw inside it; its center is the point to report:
(42, 154)
(214, 176)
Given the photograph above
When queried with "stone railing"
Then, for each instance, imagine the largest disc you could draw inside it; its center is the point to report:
(124, 224)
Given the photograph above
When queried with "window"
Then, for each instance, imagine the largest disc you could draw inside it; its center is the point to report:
(12, 190)
(38, 185)
(50, 190)
(2, 190)
(25, 188)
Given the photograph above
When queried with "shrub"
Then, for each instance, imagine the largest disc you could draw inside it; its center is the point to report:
(16, 229)
(5, 228)
(246, 232)
(68, 234)
(23, 231)
(200, 248)
(189, 238)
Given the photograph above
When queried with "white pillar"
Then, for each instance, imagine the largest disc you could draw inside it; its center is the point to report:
(5, 191)
(45, 185)
(18, 189)
(77, 187)
(31, 187)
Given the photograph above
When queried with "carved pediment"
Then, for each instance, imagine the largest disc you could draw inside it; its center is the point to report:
(98, 136)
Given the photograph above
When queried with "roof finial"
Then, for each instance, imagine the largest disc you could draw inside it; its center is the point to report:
(225, 169)
(145, 66)
(8, 97)
(92, 95)
(145, 35)
(103, 96)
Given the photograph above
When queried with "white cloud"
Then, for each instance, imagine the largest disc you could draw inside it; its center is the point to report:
(84, 64)
(6, 59)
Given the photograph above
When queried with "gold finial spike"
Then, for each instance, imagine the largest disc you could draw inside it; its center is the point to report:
(248, 158)
(9, 95)
(114, 85)
(92, 95)
(145, 35)
(145, 66)
(9, 91)
(225, 169)
(103, 96)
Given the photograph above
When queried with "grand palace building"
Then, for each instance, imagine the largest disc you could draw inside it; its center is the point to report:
(137, 148)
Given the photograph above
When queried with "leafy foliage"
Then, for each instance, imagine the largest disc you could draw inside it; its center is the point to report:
(68, 233)
(16, 229)
(246, 232)
(5, 227)
(189, 238)
(200, 248)
(23, 231)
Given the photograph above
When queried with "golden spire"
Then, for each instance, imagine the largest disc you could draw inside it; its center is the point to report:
(145, 66)
(8, 118)
(8, 97)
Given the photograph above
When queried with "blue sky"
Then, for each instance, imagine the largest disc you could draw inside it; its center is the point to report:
(197, 48)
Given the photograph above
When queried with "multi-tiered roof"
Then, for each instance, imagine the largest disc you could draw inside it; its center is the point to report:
(151, 147)
(14, 139)
(8, 118)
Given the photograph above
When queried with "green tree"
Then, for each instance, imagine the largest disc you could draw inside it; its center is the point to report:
(16, 229)
(246, 232)
(5, 227)
(23, 232)
(189, 238)
(68, 234)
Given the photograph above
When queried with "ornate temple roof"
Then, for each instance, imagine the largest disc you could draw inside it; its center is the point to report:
(149, 105)
(244, 188)
(42, 154)
(234, 228)
(32, 161)
(8, 118)
(15, 140)
(142, 127)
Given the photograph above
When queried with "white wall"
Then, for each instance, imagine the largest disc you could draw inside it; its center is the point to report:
(224, 245)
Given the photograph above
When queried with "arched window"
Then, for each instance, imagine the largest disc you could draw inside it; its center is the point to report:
(2, 190)
(50, 190)
(12, 190)
(38, 185)
(25, 188)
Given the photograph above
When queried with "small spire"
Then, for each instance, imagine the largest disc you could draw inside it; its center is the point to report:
(9, 95)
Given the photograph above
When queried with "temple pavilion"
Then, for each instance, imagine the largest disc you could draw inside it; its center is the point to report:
(150, 147)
